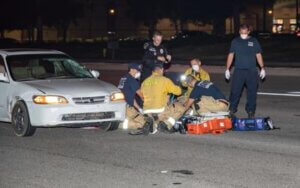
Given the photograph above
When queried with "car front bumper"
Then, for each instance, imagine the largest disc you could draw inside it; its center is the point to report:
(72, 114)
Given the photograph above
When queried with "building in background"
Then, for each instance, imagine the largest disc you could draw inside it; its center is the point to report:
(285, 16)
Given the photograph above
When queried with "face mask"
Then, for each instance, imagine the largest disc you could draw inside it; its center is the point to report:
(195, 68)
(137, 75)
(244, 36)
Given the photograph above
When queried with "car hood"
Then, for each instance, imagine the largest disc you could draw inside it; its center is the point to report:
(74, 87)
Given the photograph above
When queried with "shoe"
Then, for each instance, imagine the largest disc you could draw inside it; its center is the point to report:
(181, 129)
(251, 115)
(162, 127)
(135, 132)
(232, 115)
(148, 126)
(145, 130)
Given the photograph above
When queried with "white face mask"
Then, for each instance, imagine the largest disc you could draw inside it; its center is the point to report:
(244, 36)
(195, 68)
(137, 75)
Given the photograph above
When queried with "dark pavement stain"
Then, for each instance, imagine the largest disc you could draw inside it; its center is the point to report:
(185, 172)
(297, 115)
(154, 184)
(177, 183)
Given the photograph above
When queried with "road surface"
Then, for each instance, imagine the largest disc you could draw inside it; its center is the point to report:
(65, 157)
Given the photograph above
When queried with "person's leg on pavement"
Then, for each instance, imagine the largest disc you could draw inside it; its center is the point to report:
(135, 119)
(171, 114)
(238, 81)
(252, 85)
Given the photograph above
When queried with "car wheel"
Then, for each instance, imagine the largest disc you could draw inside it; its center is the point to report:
(109, 126)
(20, 120)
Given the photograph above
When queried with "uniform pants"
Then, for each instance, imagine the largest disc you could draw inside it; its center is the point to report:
(183, 99)
(135, 119)
(209, 104)
(171, 114)
(241, 78)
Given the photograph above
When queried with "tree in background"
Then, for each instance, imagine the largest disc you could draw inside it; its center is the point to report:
(181, 11)
(35, 14)
(62, 13)
(146, 12)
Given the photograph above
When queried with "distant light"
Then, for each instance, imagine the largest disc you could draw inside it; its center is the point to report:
(270, 12)
(112, 11)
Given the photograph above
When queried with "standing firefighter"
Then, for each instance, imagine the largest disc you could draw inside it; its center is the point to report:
(155, 90)
(155, 53)
(130, 87)
(246, 51)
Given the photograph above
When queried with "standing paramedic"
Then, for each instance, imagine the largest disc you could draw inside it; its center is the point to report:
(155, 53)
(246, 52)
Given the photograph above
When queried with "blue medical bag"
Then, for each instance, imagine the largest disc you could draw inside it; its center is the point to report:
(252, 124)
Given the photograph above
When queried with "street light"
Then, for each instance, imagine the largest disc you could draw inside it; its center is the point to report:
(112, 11)
(270, 12)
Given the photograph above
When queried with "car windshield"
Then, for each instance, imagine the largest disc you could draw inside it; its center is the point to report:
(37, 67)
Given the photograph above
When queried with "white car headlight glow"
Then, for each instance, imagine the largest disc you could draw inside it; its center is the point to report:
(49, 99)
(118, 96)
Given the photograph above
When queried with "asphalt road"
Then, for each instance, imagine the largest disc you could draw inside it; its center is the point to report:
(65, 157)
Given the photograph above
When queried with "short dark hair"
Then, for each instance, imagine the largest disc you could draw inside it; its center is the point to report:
(245, 26)
(157, 33)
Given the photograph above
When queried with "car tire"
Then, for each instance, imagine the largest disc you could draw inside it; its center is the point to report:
(21, 121)
(109, 126)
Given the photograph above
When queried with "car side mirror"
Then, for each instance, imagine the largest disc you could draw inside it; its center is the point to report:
(95, 73)
(3, 78)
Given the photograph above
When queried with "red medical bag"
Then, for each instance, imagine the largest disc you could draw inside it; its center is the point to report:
(214, 126)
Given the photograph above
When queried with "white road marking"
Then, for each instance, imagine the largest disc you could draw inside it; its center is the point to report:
(279, 94)
(294, 92)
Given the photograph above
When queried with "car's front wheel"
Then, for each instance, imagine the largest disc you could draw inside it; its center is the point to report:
(20, 120)
(109, 126)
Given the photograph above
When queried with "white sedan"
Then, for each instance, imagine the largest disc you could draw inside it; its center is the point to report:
(47, 88)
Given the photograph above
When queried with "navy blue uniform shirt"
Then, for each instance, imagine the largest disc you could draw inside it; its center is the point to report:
(152, 51)
(245, 51)
(129, 85)
(150, 58)
(206, 88)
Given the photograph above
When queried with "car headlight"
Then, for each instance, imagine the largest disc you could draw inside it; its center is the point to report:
(49, 99)
(119, 96)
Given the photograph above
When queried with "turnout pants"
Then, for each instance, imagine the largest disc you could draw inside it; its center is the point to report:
(135, 119)
(209, 104)
(169, 115)
(241, 78)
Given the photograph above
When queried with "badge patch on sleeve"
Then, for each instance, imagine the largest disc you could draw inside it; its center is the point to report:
(122, 83)
(161, 51)
(205, 84)
(251, 44)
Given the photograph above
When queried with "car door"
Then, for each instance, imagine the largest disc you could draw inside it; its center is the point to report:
(4, 89)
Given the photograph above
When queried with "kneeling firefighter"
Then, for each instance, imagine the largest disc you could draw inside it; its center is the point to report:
(130, 87)
(155, 90)
(209, 98)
